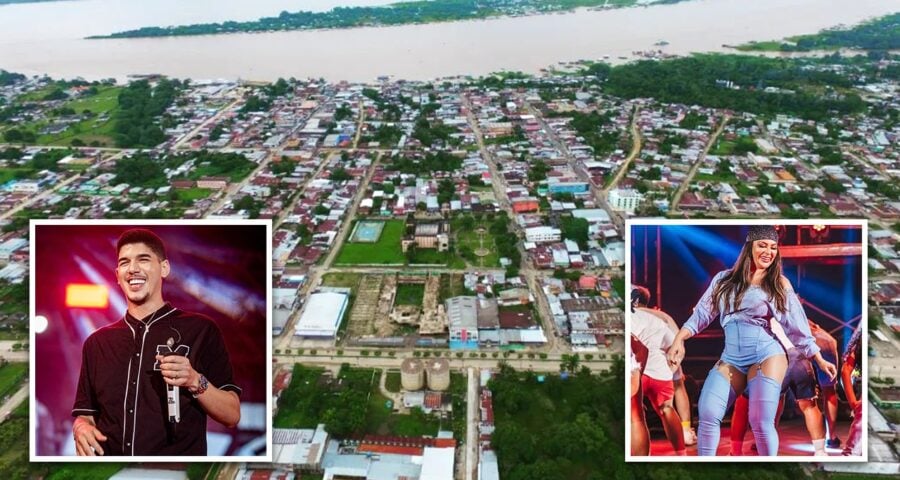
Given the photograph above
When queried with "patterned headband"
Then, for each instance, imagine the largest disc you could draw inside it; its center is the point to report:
(762, 232)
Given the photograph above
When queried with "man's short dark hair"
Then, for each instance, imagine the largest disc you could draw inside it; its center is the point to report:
(641, 294)
(142, 235)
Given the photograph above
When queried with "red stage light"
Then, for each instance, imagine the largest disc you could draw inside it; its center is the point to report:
(81, 295)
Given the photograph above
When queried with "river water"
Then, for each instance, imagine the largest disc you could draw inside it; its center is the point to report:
(47, 38)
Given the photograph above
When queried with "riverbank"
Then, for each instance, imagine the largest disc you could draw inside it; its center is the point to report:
(395, 14)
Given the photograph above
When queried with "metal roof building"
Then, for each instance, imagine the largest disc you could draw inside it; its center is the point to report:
(322, 315)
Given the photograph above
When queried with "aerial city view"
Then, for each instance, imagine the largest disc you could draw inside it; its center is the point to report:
(463, 200)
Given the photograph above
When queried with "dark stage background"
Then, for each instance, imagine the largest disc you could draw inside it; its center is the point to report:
(677, 262)
(219, 271)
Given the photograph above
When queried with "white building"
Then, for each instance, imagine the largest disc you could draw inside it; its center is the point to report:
(437, 464)
(542, 234)
(613, 254)
(299, 448)
(625, 200)
(592, 215)
(322, 315)
(462, 318)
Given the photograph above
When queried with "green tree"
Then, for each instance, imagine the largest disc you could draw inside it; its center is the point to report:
(340, 174)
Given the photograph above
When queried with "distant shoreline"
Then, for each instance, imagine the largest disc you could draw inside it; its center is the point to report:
(396, 14)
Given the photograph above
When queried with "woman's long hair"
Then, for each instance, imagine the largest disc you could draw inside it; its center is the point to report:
(736, 281)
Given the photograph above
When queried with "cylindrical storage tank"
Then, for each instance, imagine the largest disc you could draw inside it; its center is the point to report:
(438, 374)
(412, 374)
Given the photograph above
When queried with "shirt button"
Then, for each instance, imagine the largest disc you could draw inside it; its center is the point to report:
(130, 410)
(128, 444)
(137, 354)
(134, 383)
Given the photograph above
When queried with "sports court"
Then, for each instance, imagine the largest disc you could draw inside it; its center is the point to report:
(367, 232)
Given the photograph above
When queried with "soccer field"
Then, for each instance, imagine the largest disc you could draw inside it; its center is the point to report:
(385, 251)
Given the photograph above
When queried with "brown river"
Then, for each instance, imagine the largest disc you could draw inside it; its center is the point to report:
(48, 38)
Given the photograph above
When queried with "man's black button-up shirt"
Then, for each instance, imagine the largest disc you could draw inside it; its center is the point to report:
(122, 388)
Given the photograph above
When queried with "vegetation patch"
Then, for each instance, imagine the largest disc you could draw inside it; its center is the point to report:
(451, 286)
(392, 382)
(399, 13)
(12, 376)
(410, 294)
(14, 444)
(349, 405)
(140, 106)
(551, 428)
(189, 195)
(879, 34)
(739, 83)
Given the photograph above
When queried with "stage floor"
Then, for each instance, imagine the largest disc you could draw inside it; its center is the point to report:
(793, 441)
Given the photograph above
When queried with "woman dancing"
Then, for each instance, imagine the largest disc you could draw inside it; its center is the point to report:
(744, 298)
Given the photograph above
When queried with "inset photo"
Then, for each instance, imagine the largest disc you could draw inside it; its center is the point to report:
(747, 340)
(151, 340)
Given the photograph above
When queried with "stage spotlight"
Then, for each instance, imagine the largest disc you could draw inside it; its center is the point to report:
(79, 295)
(818, 233)
(39, 324)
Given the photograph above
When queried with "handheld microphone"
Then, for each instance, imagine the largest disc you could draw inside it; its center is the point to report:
(172, 395)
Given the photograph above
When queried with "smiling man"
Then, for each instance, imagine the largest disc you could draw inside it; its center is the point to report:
(130, 367)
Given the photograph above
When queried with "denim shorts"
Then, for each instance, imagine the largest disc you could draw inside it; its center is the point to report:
(824, 379)
(747, 344)
(800, 378)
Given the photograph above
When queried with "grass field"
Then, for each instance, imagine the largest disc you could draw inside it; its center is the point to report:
(392, 382)
(235, 175)
(105, 102)
(192, 194)
(12, 375)
(347, 280)
(410, 294)
(416, 424)
(18, 332)
(723, 147)
(37, 95)
(386, 251)
(7, 174)
(715, 177)
(430, 256)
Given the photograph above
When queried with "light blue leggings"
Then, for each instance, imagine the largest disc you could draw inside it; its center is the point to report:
(718, 396)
